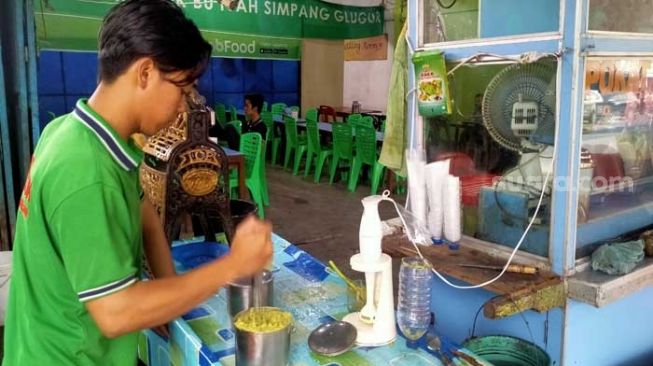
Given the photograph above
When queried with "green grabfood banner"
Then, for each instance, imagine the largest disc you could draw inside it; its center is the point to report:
(255, 29)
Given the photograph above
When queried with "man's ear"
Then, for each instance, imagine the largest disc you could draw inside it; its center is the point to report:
(145, 70)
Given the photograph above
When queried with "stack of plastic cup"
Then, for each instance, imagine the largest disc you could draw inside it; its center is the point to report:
(414, 302)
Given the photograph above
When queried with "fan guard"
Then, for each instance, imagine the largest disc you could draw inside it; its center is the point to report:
(534, 83)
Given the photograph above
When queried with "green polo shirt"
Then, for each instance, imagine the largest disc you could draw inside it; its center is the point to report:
(78, 238)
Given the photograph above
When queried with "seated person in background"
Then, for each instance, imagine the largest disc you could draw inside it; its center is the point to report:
(253, 123)
(253, 107)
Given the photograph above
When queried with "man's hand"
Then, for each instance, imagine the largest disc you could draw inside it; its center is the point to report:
(251, 248)
(149, 304)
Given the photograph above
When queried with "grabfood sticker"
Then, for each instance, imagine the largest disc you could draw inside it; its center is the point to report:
(432, 87)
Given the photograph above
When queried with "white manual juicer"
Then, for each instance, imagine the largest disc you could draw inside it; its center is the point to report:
(375, 323)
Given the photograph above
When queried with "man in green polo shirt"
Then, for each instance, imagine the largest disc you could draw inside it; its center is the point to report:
(75, 296)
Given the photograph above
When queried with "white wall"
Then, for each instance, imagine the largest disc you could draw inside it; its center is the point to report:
(368, 81)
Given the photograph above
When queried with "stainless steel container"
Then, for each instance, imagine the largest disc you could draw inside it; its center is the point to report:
(241, 296)
(263, 349)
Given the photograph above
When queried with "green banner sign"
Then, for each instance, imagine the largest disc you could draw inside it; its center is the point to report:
(249, 46)
(255, 29)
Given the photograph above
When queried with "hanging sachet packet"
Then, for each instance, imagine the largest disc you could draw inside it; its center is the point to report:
(433, 98)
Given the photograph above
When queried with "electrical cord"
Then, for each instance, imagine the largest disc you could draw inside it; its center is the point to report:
(524, 58)
(453, 2)
(529, 188)
(413, 240)
(478, 311)
(521, 313)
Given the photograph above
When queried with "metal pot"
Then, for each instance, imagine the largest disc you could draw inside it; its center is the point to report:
(263, 349)
(241, 296)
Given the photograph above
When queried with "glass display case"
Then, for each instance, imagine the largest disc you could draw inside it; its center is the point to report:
(602, 171)
(618, 136)
(605, 172)
(500, 165)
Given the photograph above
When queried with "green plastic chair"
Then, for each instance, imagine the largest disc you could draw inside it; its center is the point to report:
(265, 107)
(359, 120)
(272, 141)
(233, 179)
(315, 148)
(237, 124)
(311, 114)
(354, 118)
(366, 154)
(366, 121)
(293, 143)
(278, 108)
(265, 191)
(343, 144)
(251, 145)
(234, 113)
(221, 114)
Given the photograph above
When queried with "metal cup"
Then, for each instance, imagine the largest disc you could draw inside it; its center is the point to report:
(263, 349)
(241, 294)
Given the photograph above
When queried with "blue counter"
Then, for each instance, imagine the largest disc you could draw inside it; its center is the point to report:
(302, 285)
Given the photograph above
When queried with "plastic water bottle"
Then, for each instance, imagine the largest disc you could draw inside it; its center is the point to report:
(414, 302)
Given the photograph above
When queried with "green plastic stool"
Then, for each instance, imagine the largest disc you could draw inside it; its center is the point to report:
(251, 145)
(343, 144)
(294, 143)
(272, 141)
(365, 155)
(315, 148)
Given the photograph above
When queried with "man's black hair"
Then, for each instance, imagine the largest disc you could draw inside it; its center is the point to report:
(151, 28)
(256, 100)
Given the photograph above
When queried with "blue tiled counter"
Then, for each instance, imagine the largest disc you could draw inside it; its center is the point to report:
(302, 285)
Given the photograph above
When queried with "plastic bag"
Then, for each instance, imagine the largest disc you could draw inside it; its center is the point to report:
(633, 148)
(618, 258)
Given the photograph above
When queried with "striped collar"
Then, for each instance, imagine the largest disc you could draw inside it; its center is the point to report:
(126, 154)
